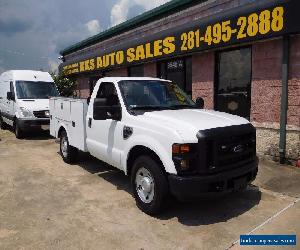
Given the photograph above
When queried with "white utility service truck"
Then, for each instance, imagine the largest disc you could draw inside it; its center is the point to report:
(168, 144)
(24, 100)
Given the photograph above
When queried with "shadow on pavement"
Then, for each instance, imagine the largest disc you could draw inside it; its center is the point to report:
(199, 212)
(41, 135)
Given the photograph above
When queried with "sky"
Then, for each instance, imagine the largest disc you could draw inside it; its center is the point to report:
(32, 32)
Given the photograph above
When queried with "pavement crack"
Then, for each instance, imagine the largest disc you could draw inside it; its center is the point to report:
(267, 221)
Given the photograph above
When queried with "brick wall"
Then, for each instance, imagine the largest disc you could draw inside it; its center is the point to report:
(294, 83)
(117, 72)
(266, 81)
(150, 70)
(203, 66)
(266, 97)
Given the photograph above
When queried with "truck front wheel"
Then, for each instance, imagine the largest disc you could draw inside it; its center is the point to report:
(68, 153)
(18, 131)
(149, 184)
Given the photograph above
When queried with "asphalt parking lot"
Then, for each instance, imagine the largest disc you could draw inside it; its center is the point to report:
(47, 204)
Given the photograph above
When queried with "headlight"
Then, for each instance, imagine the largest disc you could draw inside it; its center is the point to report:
(181, 155)
(25, 113)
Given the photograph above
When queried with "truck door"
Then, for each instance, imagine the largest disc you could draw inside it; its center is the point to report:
(103, 135)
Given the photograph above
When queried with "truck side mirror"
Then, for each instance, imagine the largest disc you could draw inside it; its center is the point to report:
(10, 96)
(200, 102)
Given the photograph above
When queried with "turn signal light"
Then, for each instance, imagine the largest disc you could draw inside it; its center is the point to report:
(180, 148)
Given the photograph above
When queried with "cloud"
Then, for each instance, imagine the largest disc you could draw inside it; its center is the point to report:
(121, 10)
(33, 32)
(93, 27)
(13, 25)
(150, 4)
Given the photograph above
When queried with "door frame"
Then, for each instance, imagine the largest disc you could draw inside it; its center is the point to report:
(217, 70)
(187, 69)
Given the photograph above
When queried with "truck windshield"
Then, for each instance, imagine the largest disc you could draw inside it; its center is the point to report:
(35, 90)
(154, 95)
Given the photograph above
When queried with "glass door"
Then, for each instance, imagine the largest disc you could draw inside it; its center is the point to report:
(233, 85)
(178, 71)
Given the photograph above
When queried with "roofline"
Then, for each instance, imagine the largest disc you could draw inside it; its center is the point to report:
(142, 19)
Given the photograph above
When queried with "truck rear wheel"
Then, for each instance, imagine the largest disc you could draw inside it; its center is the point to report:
(68, 153)
(149, 183)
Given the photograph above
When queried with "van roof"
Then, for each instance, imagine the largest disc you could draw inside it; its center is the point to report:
(27, 75)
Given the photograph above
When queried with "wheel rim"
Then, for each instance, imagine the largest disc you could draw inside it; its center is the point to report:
(64, 146)
(144, 185)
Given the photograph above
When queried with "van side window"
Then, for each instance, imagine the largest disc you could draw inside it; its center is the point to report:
(108, 90)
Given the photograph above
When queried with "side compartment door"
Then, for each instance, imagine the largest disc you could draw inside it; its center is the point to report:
(101, 134)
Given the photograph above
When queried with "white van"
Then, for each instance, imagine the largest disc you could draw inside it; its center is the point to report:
(24, 100)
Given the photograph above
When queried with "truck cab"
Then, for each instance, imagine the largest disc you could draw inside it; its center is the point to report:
(155, 133)
(24, 100)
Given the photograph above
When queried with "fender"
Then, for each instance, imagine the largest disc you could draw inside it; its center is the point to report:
(64, 126)
(155, 146)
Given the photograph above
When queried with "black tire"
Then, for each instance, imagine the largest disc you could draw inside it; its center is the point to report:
(161, 189)
(69, 153)
(18, 131)
(2, 123)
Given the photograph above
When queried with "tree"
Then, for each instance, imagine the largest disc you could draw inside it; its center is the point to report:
(64, 85)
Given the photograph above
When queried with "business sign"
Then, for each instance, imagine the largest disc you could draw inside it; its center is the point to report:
(252, 22)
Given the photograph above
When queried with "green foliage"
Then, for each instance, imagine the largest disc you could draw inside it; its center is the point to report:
(65, 86)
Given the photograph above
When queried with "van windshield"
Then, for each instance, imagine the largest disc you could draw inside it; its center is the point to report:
(35, 90)
(154, 95)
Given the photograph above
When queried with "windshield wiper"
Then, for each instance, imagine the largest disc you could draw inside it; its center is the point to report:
(149, 107)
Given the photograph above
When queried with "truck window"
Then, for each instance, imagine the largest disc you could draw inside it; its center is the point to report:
(108, 90)
(35, 90)
(141, 93)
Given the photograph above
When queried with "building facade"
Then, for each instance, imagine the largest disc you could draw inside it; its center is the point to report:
(241, 56)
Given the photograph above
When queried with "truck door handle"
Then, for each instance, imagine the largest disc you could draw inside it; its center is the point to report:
(90, 122)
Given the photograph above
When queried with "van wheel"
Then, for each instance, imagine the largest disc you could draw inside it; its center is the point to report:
(68, 153)
(149, 183)
(18, 132)
(2, 123)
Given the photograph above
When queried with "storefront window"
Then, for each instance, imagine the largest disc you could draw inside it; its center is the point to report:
(233, 86)
(136, 71)
(178, 71)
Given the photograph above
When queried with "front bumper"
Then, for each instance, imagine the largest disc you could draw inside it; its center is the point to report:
(184, 187)
(34, 124)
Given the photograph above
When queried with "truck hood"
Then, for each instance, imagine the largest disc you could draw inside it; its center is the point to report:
(187, 122)
(34, 104)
